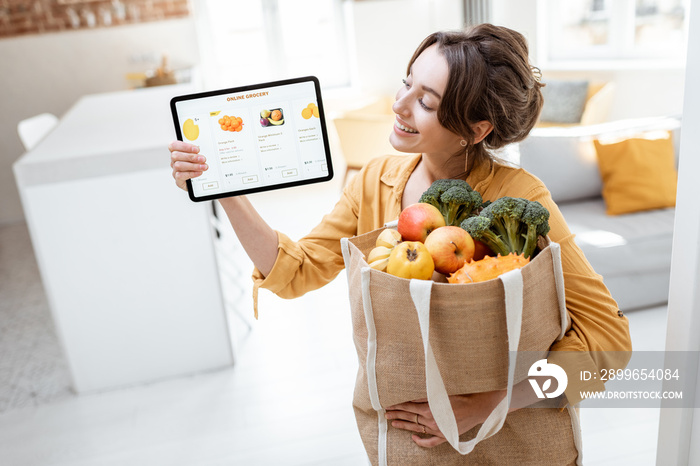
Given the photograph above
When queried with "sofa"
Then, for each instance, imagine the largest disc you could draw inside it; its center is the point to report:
(632, 251)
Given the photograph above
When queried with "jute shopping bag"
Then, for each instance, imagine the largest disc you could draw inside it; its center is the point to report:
(420, 339)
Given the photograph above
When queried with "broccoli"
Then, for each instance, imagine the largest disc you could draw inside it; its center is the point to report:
(455, 199)
(479, 228)
(433, 193)
(535, 223)
(458, 204)
(509, 225)
(505, 214)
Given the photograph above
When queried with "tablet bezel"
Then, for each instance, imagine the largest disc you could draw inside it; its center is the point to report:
(214, 93)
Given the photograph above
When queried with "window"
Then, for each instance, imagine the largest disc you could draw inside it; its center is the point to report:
(614, 29)
(265, 40)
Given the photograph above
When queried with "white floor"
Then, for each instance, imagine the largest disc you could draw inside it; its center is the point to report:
(627, 436)
(287, 401)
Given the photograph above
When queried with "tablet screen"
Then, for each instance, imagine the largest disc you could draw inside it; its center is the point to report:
(255, 138)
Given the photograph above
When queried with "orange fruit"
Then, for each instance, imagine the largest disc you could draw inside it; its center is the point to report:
(221, 121)
(239, 119)
(315, 112)
(276, 115)
(235, 123)
(238, 128)
(488, 268)
(307, 113)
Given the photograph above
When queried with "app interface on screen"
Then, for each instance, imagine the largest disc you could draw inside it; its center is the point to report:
(255, 138)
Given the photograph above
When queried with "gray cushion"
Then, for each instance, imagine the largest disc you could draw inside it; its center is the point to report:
(566, 164)
(564, 101)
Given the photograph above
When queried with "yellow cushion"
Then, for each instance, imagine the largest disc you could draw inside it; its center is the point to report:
(599, 103)
(638, 174)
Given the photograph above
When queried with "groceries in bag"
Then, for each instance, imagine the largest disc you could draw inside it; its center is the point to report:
(469, 240)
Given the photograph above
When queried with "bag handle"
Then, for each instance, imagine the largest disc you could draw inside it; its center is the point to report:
(438, 399)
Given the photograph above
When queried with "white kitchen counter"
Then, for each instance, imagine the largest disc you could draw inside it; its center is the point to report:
(127, 260)
(103, 134)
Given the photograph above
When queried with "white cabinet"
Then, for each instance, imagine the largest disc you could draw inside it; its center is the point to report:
(127, 260)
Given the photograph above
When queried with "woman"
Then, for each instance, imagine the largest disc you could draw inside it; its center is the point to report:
(465, 94)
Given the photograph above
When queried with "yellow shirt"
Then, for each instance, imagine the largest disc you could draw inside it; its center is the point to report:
(373, 198)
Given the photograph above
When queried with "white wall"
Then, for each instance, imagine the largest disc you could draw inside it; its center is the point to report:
(679, 429)
(49, 72)
(387, 32)
(520, 15)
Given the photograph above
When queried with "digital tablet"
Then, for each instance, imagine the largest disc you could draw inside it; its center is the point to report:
(255, 138)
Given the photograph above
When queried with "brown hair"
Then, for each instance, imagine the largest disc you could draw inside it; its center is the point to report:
(490, 78)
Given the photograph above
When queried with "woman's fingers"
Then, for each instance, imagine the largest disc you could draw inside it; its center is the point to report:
(186, 162)
(177, 156)
(181, 166)
(413, 427)
(183, 171)
(419, 427)
(403, 416)
(469, 410)
(428, 442)
(414, 422)
(184, 176)
(182, 146)
(419, 419)
(409, 411)
(182, 154)
(416, 417)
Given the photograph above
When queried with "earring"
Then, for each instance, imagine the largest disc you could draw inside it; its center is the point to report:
(464, 143)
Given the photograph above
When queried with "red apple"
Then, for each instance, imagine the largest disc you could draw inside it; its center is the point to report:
(418, 220)
(450, 248)
(481, 250)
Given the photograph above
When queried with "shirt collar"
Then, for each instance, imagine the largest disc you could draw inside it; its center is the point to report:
(481, 176)
(397, 177)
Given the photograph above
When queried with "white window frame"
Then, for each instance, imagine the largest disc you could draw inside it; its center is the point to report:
(619, 52)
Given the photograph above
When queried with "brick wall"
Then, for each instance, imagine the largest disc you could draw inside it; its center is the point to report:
(21, 17)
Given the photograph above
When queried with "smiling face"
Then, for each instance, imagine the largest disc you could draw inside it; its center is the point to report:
(417, 129)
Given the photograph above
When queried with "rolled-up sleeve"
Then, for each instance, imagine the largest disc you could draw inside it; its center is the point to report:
(315, 259)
